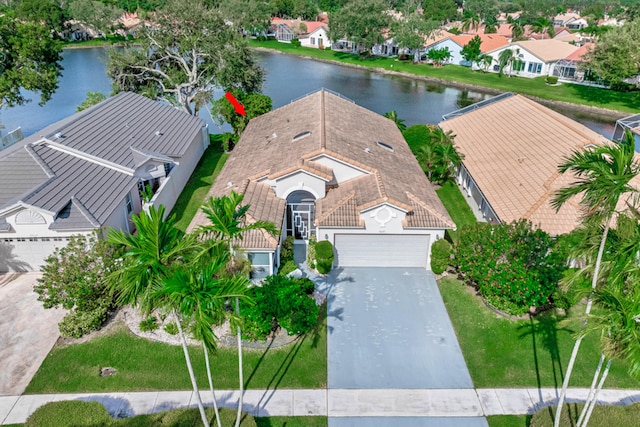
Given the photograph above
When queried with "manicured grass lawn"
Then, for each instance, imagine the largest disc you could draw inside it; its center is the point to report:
(628, 102)
(509, 420)
(292, 422)
(199, 184)
(618, 416)
(522, 353)
(457, 206)
(145, 365)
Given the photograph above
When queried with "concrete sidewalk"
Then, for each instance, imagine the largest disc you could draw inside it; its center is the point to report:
(440, 403)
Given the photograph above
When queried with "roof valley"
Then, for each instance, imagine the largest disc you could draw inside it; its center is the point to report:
(323, 140)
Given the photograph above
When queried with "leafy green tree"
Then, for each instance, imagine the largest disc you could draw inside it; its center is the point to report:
(616, 56)
(440, 10)
(29, 59)
(181, 64)
(490, 25)
(471, 51)
(228, 223)
(542, 26)
(362, 22)
(505, 60)
(484, 61)
(411, 32)
(481, 8)
(95, 14)
(393, 115)
(471, 22)
(439, 56)
(250, 15)
(92, 99)
(602, 179)
(42, 11)
(255, 104)
(517, 28)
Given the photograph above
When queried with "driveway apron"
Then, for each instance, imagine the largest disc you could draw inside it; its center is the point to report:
(388, 329)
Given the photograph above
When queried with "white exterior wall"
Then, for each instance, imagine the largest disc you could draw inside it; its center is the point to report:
(300, 180)
(454, 48)
(383, 219)
(119, 219)
(341, 171)
(522, 55)
(319, 36)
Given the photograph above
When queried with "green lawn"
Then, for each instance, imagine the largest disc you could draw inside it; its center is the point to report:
(292, 422)
(509, 420)
(199, 184)
(627, 102)
(457, 206)
(521, 353)
(618, 416)
(145, 365)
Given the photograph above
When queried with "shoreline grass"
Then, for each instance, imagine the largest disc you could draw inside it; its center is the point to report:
(585, 96)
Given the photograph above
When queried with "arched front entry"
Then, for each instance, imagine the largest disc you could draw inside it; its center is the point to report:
(301, 214)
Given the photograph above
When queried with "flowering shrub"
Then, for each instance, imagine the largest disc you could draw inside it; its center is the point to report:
(73, 278)
(512, 266)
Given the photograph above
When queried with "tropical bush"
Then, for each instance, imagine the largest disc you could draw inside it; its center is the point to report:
(286, 249)
(513, 266)
(73, 277)
(435, 151)
(149, 324)
(311, 251)
(295, 43)
(552, 80)
(440, 256)
(280, 302)
(324, 256)
(171, 328)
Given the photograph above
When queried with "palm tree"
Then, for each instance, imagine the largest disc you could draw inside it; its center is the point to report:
(490, 25)
(199, 297)
(448, 159)
(517, 29)
(152, 256)
(471, 22)
(485, 60)
(393, 115)
(427, 157)
(602, 178)
(505, 59)
(541, 26)
(229, 222)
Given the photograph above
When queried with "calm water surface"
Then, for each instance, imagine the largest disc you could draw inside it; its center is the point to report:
(288, 78)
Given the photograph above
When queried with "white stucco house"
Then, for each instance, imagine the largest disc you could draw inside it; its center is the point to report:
(533, 58)
(88, 172)
(326, 167)
(455, 43)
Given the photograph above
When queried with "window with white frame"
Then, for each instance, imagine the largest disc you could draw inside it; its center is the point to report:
(535, 67)
(313, 41)
(129, 204)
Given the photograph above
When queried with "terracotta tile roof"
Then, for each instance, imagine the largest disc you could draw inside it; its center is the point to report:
(323, 124)
(489, 41)
(295, 23)
(578, 53)
(547, 50)
(436, 37)
(512, 148)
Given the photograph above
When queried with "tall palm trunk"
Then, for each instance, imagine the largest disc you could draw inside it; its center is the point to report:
(196, 391)
(240, 398)
(576, 347)
(213, 395)
(595, 396)
(592, 390)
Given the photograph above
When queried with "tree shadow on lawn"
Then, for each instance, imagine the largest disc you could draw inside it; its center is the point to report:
(605, 96)
(545, 329)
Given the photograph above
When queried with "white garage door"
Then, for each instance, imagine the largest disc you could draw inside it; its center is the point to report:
(381, 250)
(25, 254)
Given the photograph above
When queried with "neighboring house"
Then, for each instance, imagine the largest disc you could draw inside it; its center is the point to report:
(533, 58)
(323, 166)
(569, 69)
(310, 33)
(512, 147)
(88, 171)
(631, 123)
(455, 43)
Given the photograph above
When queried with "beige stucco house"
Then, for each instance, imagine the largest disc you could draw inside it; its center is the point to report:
(323, 166)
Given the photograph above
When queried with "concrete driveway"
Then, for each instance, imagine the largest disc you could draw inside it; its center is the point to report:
(27, 331)
(389, 329)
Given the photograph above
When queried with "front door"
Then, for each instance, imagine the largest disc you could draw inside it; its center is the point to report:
(301, 219)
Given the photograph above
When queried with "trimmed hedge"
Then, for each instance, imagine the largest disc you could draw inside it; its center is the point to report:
(324, 256)
(440, 256)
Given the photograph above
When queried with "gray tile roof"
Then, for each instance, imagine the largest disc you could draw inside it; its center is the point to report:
(75, 168)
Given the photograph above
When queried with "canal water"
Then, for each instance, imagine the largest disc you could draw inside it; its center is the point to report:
(287, 79)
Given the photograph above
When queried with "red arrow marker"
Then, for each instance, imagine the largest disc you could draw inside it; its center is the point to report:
(239, 107)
